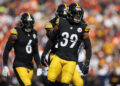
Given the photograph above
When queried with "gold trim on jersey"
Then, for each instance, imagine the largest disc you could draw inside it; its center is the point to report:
(13, 31)
(48, 26)
(87, 28)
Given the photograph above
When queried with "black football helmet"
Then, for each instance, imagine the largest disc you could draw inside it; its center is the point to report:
(27, 22)
(62, 10)
(74, 9)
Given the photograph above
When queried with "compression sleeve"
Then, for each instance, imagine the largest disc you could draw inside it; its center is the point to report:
(36, 55)
(8, 47)
(36, 52)
(88, 49)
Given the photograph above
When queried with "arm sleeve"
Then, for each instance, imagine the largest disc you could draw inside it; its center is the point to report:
(8, 47)
(36, 54)
(88, 49)
(50, 42)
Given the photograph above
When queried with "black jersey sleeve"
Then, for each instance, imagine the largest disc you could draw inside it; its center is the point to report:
(53, 21)
(8, 47)
(36, 53)
(51, 41)
(10, 43)
(50, 26)
(88, 49)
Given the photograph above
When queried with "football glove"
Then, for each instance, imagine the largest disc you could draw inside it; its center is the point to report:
(39, 71)
(5, 71)
(85, 67)
(44, 61)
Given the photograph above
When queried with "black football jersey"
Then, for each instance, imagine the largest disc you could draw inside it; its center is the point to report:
(53, 21)
(55, 47)
(70, 38)
(24, 48)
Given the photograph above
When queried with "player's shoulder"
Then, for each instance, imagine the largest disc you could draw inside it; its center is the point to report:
(14, 30)
(48, 25)
(13, 34)
(86, 27)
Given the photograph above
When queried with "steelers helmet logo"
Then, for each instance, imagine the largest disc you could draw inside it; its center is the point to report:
(29, 17)
(34, 36)
(79, 30)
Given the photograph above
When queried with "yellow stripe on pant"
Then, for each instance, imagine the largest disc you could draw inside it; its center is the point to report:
(57, 66)
(25, 75)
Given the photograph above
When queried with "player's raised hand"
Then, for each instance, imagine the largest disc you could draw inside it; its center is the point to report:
(5, 71)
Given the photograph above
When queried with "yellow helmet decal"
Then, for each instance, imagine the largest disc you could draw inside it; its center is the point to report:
(78, 7)
(29, 17)
(66, 7)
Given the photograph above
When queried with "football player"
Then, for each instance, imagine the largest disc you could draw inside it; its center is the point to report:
(23, 39)
(70, 33)
(62, 12)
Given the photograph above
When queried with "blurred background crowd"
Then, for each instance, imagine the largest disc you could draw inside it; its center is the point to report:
(103, 16)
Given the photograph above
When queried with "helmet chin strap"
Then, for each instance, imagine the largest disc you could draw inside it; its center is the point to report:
(27, 30)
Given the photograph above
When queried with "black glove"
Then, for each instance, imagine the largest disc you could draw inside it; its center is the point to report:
(85, 67)
(44, 61)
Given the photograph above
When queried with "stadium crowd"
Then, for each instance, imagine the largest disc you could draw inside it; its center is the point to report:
(103, 16)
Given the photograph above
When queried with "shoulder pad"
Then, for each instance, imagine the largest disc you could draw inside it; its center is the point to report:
(57, 21)
(48, 25)
(87, 28)
(13, 31)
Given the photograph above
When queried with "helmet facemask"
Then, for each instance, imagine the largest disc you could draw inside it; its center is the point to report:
(77, 17)
(75, 13)
(27, 22)
(28, 26)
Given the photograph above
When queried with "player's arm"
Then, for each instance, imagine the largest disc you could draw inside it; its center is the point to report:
(88, 49)
(36, 54)
(49, 44)
(87, 43)
(37, 58)
(11, 40)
